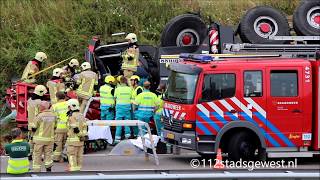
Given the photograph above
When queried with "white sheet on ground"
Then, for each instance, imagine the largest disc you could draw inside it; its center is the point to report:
(138, 142)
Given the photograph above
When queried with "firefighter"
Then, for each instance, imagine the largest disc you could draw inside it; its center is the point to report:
(130, 56)
(55, 84)
(161, 89)
(77, 134)
(33, 110)
(60, 109)
(122, 95)
(18, 151)
(33, 67)
(72, 68)
(43, 128)
(145, 103)
(87, 81)
(107, 102)
(134, 80)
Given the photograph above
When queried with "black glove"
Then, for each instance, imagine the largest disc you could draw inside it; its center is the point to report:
(76, 130)
(130, 58)
(83, 138)
(34, 129)
(111, 109)
(54, 146)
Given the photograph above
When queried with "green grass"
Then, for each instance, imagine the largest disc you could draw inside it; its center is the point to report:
(62, 28)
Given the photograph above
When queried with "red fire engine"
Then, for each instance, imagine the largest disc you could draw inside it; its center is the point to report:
(249, 107)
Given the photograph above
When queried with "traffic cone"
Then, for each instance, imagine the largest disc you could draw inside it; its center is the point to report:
(219, 164)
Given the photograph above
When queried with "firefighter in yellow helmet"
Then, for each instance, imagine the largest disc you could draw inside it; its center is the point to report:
(43, 128)
(77, 134)
(107, 102)
(33, 67)
(87, 82)
(60, 109)
(33, 110)
(55, 84)
(131, 56)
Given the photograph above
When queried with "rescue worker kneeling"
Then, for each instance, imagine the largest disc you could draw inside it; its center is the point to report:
(146, 102)
(77, 134)
(107, 99)
(18, 151)
(61, 110)
(44, 126)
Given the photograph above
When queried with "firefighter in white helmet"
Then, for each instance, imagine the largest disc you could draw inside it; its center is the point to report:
(55, 84)
(77, 134)
(72, 68)
(87, 82)
(33, 67)
(33, 110)
(130, 56)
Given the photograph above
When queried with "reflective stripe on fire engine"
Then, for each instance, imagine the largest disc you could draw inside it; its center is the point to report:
(207, 125)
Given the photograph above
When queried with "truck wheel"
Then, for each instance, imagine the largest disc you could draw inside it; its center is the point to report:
(244, 146)
(261, 22)
(184, 30)
(306, 18)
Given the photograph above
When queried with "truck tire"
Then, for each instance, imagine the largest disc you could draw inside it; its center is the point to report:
(184, 30)
(306, 18)
(261, 22)
(244, 146)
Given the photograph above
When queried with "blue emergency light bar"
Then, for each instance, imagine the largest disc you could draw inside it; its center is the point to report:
(196, 57)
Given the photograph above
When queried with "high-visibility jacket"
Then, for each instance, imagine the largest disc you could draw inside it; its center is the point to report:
(76, 120)
(55, 86)
(160, 105)
(45, 122)
(123, 94)
(87, 80)
(135, 91)
(33, 111)
(106, 97)
(147, 101)
(18, 151)
(61, 110)
(130, 59)
(31, 68)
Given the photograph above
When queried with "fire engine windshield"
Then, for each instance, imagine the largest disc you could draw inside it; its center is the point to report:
(181, 87)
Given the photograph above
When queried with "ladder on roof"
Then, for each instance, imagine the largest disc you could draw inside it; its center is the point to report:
(287, 50)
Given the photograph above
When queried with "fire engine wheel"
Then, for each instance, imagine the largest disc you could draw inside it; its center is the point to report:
(261, 22)
(306, 18)
(243, 146)
(184, 30)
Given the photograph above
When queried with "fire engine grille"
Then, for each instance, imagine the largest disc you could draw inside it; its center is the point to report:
(174, 125)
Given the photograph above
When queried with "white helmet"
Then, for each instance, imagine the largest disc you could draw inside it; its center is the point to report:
(85, 66)
(73, 104)
(57, 72)
(132, 37)
(40, 90)
(73, 62)
(40, 56)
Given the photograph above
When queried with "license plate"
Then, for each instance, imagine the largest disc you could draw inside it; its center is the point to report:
(170, 136)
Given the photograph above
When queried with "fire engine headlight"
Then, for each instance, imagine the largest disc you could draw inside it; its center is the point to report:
(185, 141)
(187, 125)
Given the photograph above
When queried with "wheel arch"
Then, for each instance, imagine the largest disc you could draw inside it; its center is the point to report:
(233, 126)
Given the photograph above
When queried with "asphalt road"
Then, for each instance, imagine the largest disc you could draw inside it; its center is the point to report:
(101, 161)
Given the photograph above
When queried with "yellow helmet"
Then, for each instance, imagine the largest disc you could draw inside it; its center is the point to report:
(135, 77)
(74, 62)
(40, 90)
(118, 78)
(57, 72)
(132, 37)
(85, 66)
(109, 79)
(73, 104)
(40, 56)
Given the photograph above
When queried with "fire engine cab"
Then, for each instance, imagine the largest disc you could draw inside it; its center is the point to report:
(252, 107)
